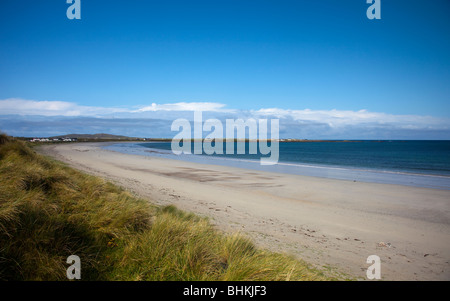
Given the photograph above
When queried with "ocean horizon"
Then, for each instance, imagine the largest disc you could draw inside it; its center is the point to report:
(419, 163)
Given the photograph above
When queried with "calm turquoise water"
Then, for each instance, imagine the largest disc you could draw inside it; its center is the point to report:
(417, 163)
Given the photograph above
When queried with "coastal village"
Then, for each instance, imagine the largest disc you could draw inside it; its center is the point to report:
(53, 140)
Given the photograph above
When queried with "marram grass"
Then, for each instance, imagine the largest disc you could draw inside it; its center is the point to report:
(49, 211)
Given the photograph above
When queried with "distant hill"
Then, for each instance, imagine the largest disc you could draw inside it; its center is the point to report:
(100, 136)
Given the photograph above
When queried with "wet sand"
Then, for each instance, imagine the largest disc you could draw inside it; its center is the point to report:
(332, 224)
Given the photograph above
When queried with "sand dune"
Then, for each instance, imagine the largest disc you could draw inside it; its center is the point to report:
(330, 223)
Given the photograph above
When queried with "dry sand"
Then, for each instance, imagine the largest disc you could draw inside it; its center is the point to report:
(332, 224)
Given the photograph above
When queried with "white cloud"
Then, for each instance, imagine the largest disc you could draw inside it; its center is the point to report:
(17, 106)
(336, 118)
(185, 106)
(306, 123)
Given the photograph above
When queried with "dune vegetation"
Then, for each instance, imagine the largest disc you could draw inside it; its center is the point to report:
(49, 211)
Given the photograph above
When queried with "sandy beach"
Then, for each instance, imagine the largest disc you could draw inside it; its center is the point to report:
(332, 224)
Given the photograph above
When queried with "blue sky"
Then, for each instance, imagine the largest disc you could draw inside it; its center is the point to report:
(244, 56)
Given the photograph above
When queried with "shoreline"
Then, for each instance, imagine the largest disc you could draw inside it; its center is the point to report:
(332, 224)
(339, 172)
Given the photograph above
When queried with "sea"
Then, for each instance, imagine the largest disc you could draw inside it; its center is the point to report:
(420, 163)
